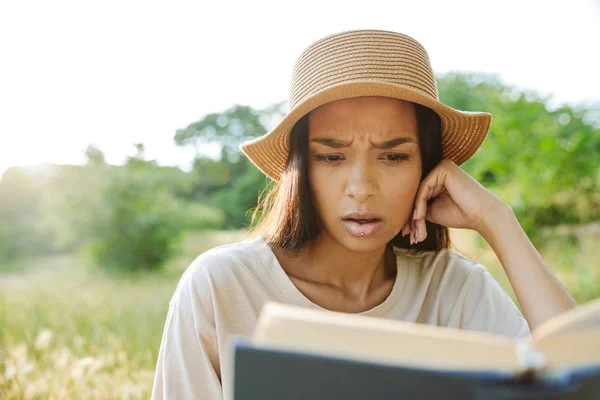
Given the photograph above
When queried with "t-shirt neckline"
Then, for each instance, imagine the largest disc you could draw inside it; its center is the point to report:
(292, 294)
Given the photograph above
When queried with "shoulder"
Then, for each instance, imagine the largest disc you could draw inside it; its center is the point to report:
(224, 257)
(466, 295)
(220, 266)
(440, 278)
(478, 301)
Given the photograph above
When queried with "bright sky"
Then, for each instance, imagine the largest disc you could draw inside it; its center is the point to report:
(112, 73)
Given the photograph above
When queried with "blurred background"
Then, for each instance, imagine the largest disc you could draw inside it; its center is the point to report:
(119, 127)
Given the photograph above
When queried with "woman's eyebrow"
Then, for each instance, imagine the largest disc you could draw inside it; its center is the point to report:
(329, 142)
(388, 144)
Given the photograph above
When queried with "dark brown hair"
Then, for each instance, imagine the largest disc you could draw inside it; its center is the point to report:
(287, 215)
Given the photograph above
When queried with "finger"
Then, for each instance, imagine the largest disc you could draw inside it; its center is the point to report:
(412, 232)
(430, 187)
(421, 229)
(420, 226)
(423, 194)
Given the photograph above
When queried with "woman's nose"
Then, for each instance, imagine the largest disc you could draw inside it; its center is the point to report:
(361, 182)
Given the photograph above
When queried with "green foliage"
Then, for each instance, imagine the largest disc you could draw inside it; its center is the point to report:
(542, 162)
(72, 194)
(229, 128)
(241, 196)
(232, 183)
(134, 228)
(136, 218)
(94, 156)
(195, 216)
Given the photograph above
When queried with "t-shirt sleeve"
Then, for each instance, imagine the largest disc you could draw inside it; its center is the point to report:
(187, 366)
(488, 308)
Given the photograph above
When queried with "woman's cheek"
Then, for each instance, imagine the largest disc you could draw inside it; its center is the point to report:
(319, 191)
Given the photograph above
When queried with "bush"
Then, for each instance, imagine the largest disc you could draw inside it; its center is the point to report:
(195, 216)
(134, 225)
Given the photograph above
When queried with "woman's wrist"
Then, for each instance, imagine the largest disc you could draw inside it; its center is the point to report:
(500, 214)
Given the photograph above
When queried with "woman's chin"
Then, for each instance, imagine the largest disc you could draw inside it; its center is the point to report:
(366, 243)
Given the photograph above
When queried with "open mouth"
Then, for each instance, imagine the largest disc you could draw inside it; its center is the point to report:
(362, 221)
(362, 227)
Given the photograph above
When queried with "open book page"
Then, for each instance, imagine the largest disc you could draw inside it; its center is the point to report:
(572, 338)
(385, 341)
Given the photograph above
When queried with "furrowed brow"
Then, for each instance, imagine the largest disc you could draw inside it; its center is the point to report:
(390, 144)
(329, 142)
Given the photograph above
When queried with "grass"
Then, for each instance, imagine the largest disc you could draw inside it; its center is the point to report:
(573, 259)
(70, 331)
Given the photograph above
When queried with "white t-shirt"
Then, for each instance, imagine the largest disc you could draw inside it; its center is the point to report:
(222, 292)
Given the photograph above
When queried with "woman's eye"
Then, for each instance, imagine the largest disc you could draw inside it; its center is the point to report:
(396, 157)
(336, 158)
(330, 158)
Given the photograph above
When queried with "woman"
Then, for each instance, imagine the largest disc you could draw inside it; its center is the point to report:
(367, 184)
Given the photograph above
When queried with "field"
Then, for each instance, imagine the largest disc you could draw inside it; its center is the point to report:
(70, 331)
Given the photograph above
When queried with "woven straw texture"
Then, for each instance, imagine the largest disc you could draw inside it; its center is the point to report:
(366, 63)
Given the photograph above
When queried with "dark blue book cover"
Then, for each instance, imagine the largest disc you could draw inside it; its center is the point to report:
(271, 374)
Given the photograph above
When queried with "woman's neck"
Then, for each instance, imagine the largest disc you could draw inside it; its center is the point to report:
(325, 262)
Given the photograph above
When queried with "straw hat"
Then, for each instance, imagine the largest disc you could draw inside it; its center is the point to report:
(366, 63)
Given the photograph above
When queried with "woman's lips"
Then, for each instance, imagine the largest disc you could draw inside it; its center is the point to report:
(368, 228)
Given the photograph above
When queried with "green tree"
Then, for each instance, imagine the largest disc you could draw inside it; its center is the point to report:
(228, 129)
(135, 227)
(542, 162)
(231, 183)
(94, 156)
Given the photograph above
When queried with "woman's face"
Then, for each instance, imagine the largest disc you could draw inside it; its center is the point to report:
(364, 158)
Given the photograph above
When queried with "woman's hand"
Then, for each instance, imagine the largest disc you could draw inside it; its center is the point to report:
(459, 201)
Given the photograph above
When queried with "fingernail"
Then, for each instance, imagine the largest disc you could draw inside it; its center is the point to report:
(416, 235)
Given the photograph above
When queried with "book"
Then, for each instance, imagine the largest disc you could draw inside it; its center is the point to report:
(302, 353)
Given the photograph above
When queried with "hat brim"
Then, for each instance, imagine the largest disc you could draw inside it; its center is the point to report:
(462, 131)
